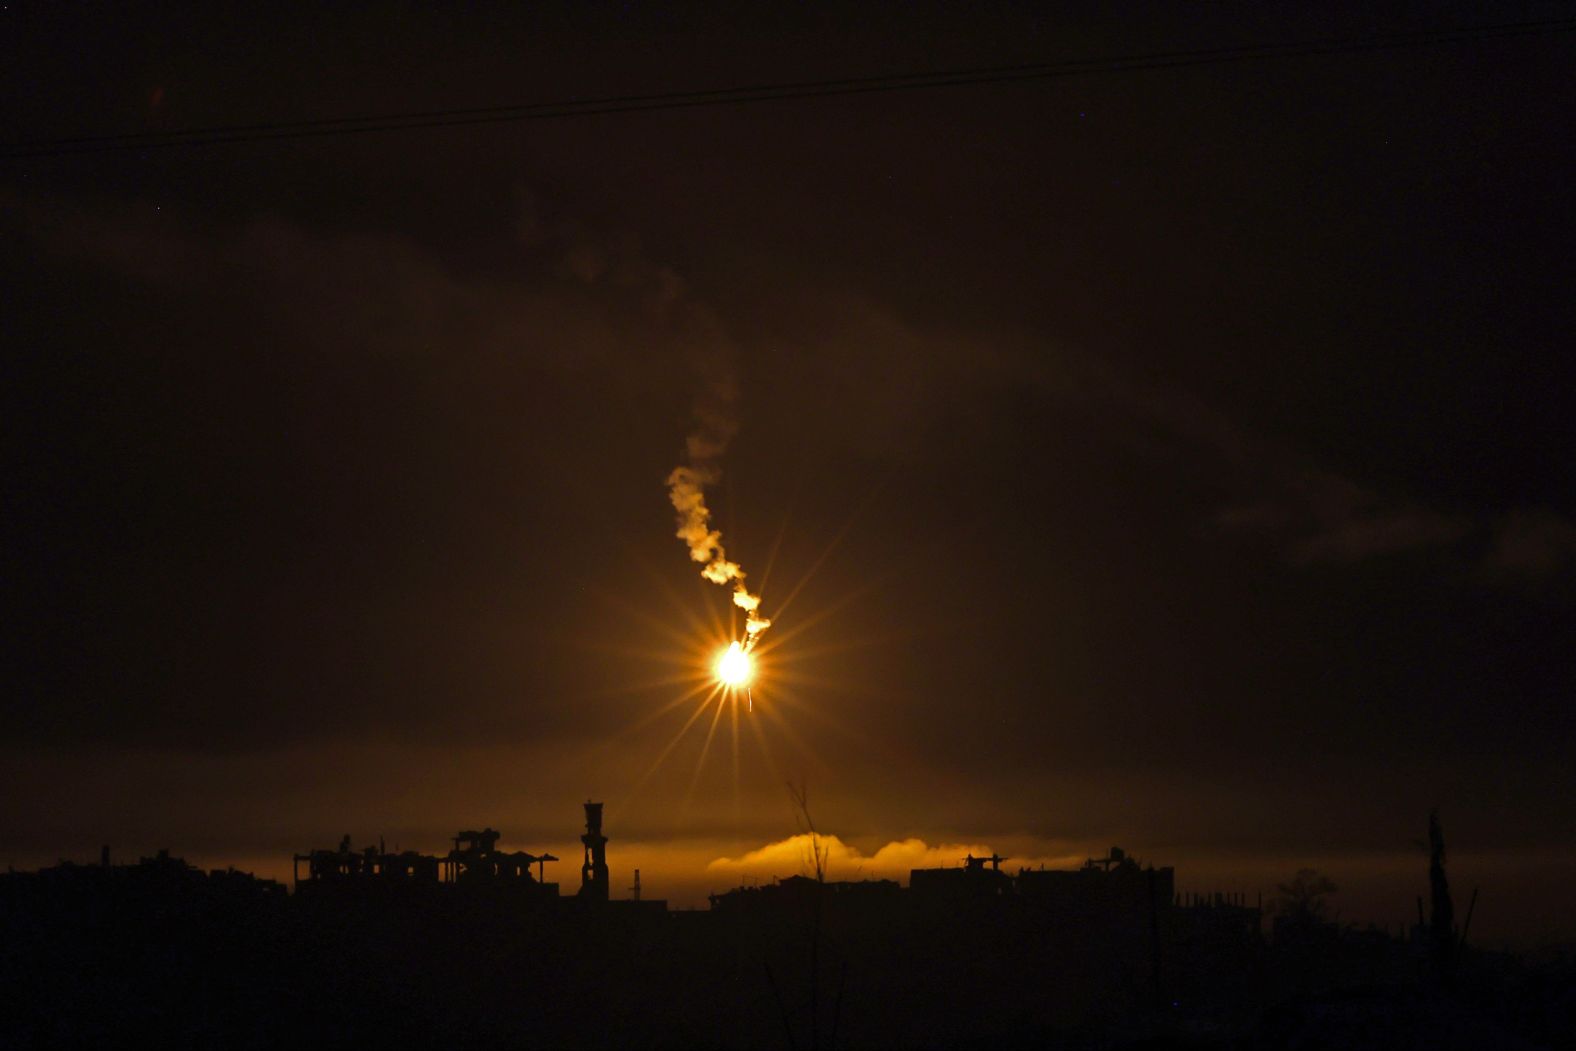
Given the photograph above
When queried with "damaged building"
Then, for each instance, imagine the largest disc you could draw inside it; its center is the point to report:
(474, 865)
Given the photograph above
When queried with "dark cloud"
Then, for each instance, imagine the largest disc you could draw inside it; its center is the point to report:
(1532, 543)
(1323, 518)
(1176, 458)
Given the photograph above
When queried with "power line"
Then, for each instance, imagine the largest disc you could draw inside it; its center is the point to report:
(446, 118)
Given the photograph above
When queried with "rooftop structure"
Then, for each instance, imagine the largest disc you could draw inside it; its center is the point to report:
(593, 870)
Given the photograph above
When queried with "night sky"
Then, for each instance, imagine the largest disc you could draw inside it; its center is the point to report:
(1176, 458)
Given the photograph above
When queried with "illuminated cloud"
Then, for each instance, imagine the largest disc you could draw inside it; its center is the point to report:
(792, 856)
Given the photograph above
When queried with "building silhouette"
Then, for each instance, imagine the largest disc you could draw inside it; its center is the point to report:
(476, 948)
(593, 870)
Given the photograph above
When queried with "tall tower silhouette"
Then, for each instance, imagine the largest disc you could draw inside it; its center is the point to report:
(593, 873)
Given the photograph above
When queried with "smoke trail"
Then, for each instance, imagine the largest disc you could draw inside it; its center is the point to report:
(687, 490)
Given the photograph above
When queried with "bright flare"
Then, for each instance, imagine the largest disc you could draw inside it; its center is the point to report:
(733, 666)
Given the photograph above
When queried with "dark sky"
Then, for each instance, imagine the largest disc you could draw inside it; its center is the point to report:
(1179, 458)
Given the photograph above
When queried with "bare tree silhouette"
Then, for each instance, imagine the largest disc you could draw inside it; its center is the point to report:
(1302, 904)
(819, 855)
(816, 860)
(1442, 935)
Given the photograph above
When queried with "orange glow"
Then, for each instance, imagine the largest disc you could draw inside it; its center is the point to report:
(733, 666)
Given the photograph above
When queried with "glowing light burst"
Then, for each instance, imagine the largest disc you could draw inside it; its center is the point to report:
(716, 663)
(734, 667)
(722, 683)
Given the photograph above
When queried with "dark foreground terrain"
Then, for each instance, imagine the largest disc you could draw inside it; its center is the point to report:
(168, 955)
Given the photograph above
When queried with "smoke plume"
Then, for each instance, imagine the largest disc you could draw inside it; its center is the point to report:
(687, 484)
(618, 261)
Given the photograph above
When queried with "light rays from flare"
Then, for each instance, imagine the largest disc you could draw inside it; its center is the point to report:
(704, 671)
(653, 714)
